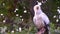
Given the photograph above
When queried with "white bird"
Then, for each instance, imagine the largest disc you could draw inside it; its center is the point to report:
(40, 19)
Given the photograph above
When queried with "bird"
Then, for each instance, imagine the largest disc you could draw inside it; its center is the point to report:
(40, 19)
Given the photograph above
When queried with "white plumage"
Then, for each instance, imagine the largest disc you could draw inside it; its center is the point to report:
(40, 17)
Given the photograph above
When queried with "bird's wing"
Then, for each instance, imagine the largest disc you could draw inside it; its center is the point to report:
(45, 18)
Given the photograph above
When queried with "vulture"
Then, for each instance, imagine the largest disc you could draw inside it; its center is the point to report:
(40, 19)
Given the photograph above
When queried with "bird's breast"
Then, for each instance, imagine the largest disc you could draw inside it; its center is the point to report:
(38, 21)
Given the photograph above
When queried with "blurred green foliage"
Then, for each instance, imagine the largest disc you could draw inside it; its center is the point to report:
(7, 8)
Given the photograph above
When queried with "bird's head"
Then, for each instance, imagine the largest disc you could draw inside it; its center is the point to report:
(36, 8)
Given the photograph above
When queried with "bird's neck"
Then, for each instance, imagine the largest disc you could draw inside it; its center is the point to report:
(38, 12)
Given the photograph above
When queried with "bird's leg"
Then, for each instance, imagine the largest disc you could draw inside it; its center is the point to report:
(42, 30)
